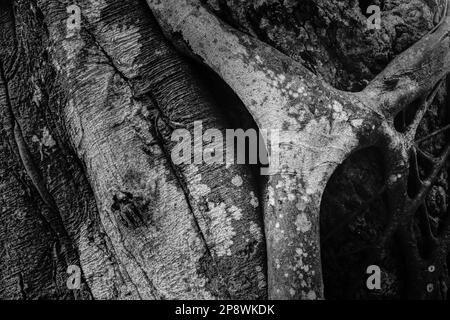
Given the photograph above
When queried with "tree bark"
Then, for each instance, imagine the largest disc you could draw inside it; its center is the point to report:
(88, 116)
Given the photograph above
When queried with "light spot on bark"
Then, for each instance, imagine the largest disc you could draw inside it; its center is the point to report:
(357, 123)
(302, 223)
(198, 189)
(394, 178)
(271, 195)
(98, 270)
(47, 139)
(291, 197)
(72, 46)
(235, 212)
(339, 114)
(96, 7)
(337, 107)
(301, 205)
(311, 295)
(126, 47)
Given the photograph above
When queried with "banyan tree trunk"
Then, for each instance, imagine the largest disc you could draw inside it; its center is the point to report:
(96, 98)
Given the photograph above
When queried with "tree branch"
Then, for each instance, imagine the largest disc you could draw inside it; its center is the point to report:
(423, 109)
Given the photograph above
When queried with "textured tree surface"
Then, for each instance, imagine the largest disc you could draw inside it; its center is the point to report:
(87, 178)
